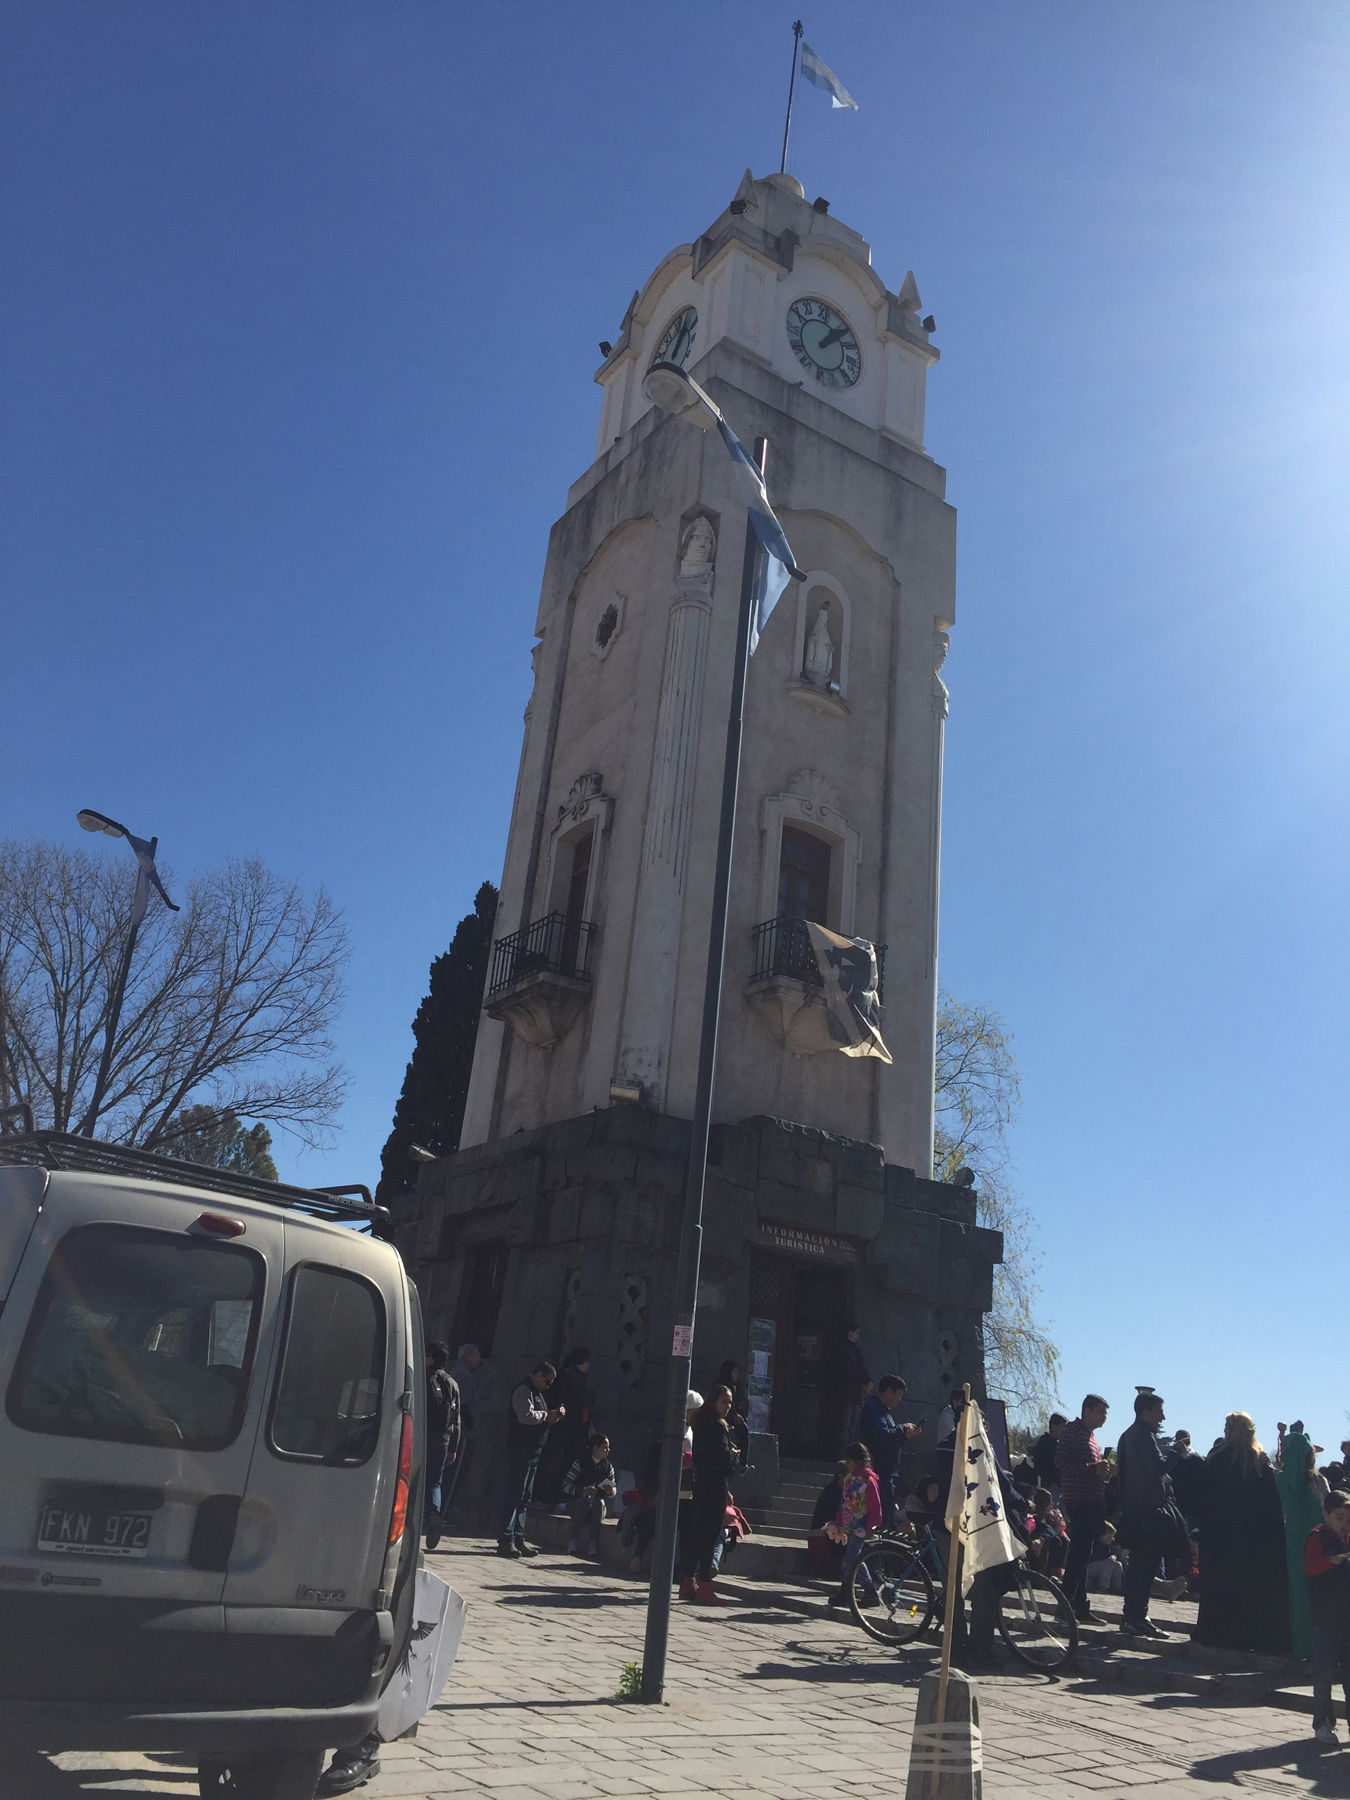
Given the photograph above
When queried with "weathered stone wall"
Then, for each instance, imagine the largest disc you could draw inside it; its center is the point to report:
(592, 1205)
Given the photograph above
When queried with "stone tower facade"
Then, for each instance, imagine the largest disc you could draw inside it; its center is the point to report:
(559, 1216)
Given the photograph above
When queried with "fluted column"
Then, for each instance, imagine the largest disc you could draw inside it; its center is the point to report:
(653, 967)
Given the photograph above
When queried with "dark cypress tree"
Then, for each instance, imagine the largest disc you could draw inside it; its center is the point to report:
(430, 1109)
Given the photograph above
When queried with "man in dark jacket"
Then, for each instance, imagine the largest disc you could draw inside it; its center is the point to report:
(444, 1427)
(852, 1382)
(884, 1436)
(1148, 1521)
(1043, 1452)
(528, 1418)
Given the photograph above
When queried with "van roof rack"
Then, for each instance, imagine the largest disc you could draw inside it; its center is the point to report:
(90, 1156)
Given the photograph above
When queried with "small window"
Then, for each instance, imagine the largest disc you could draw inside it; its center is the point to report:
(128, 1339)
(804, 876)
(327, 1405)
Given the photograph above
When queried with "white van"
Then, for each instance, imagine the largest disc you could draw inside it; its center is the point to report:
(210, 1462)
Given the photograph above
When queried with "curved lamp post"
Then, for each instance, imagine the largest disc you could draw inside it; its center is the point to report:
(667, 386)
(147, 876)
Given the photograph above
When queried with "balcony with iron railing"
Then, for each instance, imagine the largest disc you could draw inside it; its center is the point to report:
(785, 986)
(782, 946)
(555, 944)
(540, 977)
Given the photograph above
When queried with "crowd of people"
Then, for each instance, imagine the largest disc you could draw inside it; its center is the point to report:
(1263, 1543)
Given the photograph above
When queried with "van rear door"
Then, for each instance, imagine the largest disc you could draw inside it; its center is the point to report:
(303, 1595)
(139, 1336)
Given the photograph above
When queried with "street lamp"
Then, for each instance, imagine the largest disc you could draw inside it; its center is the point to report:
(668, 387)
(147, 876)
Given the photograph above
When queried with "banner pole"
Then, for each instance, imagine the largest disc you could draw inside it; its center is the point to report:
(792, 83)
(953, 1570)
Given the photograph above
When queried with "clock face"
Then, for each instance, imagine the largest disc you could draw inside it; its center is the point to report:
(677, 340)
(824, 343)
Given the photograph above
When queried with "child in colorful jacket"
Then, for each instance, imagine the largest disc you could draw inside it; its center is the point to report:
(859, 1514)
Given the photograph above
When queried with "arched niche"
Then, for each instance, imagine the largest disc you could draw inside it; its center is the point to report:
(822, 645)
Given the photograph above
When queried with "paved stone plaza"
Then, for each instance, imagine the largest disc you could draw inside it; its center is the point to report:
(763, 1702)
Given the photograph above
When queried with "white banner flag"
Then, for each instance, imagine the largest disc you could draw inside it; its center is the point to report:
(975, 1515)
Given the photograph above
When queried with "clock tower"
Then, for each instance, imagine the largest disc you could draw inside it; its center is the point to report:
(558, 1217)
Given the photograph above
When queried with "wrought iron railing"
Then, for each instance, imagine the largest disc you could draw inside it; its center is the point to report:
(782, 946)
(555, 944)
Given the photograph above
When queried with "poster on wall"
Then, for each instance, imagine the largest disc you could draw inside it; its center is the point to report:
(763, 1332)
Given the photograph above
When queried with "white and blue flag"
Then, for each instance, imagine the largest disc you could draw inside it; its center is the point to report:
(821, 75)
(776, 565)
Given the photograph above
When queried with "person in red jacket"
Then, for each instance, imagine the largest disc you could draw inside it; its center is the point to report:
(1326, 1563)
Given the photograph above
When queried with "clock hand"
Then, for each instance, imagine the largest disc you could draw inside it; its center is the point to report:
(832, 337)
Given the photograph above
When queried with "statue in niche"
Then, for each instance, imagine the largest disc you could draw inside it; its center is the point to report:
(942, 643)
(698, 551)
(818, 662)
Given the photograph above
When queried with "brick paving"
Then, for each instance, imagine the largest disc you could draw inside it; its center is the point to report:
(763, 1703)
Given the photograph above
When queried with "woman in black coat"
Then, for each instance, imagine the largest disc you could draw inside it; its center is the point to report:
(715, 1460)
(1244, 1594)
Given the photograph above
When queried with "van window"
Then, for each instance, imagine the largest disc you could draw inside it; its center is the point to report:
(327, 1404)
(140, 1337)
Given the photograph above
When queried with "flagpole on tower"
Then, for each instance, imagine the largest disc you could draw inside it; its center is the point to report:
(792, 84)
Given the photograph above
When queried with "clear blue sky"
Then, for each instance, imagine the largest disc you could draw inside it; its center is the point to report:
(299, 361)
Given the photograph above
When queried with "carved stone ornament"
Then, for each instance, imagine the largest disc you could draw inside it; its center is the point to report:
(583, 790)
(536, 652)
(609, 625)
(698, 552)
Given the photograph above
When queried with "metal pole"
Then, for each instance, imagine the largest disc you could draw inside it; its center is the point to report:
(138, 906)
(792, 84)
(691, 1229)
(953, 1574)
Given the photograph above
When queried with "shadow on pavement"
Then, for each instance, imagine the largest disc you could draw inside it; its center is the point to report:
(29, 1776)
(544, 1705)
(1328, 1770)
(578, 1598)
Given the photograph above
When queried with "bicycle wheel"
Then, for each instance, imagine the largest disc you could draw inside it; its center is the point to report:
(1036, 1621)
(890, 1593)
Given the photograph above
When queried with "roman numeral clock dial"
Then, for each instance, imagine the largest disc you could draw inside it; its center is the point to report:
(677, 340)
(824, 343)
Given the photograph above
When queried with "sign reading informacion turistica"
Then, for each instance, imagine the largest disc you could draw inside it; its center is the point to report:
(800, 1240)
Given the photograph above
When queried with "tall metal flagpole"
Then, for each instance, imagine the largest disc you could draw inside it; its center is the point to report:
(691, 1231)
(792, 84)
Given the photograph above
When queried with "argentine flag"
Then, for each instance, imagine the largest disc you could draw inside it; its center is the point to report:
(776, 565)
(821, 75)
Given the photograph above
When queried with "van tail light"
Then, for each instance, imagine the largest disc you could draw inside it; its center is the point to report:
(217, 1225)
(398, 1519)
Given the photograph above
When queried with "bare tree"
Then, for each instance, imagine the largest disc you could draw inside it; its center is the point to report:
(976, 1096)
(228, 1002)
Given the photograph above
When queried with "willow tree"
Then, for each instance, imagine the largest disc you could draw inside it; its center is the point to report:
(976, 1097)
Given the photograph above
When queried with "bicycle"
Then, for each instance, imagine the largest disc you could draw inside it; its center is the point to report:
(897, 1588)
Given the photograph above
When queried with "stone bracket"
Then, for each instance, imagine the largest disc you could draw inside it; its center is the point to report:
(542, 1008)
(792, 1014)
